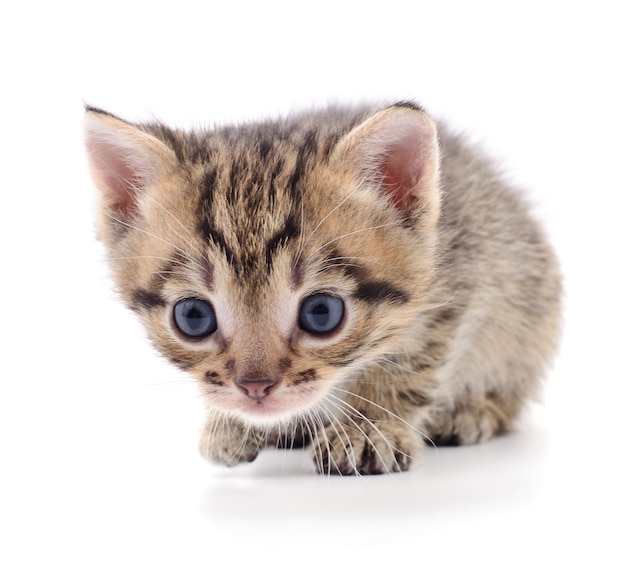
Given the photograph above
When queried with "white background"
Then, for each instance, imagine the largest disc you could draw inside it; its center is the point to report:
(98, 436)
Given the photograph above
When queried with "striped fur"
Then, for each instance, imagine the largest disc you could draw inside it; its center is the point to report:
(451, 291)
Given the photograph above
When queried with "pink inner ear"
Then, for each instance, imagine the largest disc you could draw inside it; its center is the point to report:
(120, 168)
(124, 161)
(400, 175)
(398, 147)
(115, 177)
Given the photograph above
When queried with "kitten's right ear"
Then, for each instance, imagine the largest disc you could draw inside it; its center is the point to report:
(397, 151)
(124, 160)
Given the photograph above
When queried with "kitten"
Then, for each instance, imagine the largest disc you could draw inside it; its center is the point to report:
(357, 280)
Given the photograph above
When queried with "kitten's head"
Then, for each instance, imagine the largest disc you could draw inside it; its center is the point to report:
(271, 261)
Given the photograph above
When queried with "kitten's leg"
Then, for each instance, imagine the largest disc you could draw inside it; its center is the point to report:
(473, 419)
(502, 345)
(486, 387)
(375, 426)
(228, 442)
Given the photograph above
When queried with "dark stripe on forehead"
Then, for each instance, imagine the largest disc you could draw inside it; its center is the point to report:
(211, 233)
(205, 224)
(290, 230)
(309, 144)
(199, 150)
(265, 146)
(307, 149)
(143, 299)
(277, 169)
(207, 183)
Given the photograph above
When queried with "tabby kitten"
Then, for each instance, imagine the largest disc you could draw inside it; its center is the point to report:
(356, 280)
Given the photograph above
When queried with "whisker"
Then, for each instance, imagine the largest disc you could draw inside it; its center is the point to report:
(359, 258)
(333, 210)
(388, 372)
(340, 264)
(348, 415)
(315, 439)
(348, 448)
(396, 365)
(358, 231)
(387, 411)
(190, 236)
(139, 256)
(156, 237)
(450, 300)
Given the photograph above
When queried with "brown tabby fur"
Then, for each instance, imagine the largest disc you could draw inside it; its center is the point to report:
(452, 293)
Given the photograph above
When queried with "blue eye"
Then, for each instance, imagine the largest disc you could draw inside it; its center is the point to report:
(195, 318)
(321, 313)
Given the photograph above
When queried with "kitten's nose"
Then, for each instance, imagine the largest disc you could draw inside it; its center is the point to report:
(256, 388)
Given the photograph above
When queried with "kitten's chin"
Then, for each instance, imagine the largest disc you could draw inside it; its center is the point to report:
(270, 411)
(262, 411)
(266, 414)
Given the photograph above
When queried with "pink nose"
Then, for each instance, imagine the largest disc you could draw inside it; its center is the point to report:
(256, 389)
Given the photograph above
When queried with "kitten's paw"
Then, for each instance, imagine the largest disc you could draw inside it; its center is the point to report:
(470, 423)
(365, 448)
(229, 444)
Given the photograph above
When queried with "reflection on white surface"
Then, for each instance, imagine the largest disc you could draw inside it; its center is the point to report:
(502, 471)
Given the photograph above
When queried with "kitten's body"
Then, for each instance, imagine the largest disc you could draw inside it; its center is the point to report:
(448, 290)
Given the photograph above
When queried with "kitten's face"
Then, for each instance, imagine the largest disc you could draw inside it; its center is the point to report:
(265, 261)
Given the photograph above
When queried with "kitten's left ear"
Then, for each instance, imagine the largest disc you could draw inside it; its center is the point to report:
(124, 161)
(397, 150)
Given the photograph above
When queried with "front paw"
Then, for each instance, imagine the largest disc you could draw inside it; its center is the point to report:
(228, 442)
(365, 448)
